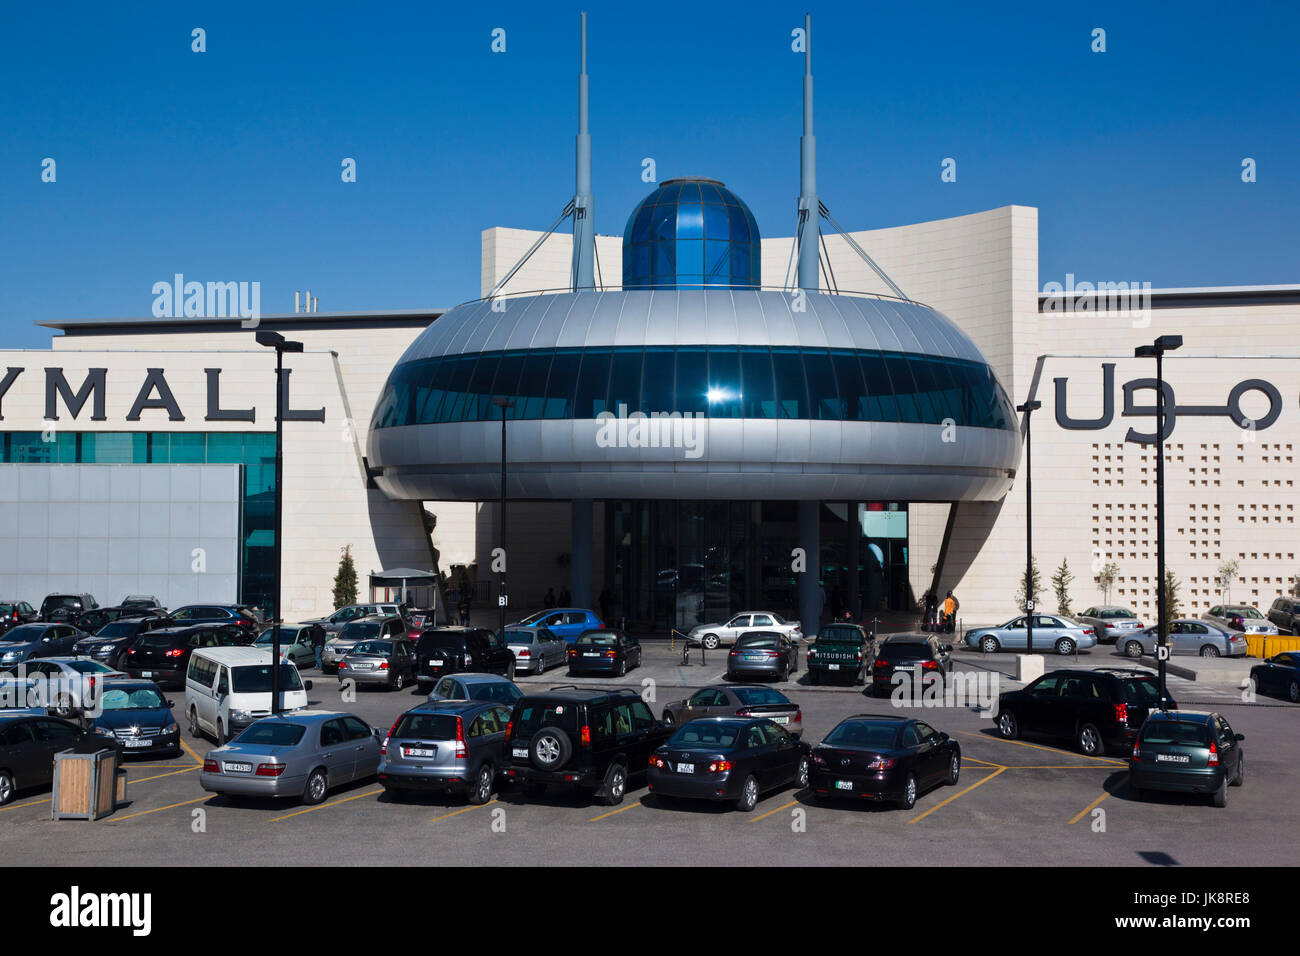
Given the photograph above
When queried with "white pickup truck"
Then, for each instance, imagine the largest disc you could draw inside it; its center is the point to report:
(746, 622)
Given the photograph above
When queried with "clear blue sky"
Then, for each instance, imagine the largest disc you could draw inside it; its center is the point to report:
(225, 165)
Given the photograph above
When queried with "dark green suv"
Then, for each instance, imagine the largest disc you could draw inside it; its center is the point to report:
(588, 739)
(841, 652)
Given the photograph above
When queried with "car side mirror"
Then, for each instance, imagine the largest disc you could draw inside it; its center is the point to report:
(171, 704)
(306, 685)
(1239, 737)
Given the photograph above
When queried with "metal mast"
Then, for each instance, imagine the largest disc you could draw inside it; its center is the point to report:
(809, 208)
(584, 234)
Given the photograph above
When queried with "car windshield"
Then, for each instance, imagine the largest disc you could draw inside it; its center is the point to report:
(119, 628)
(705, 733)
(360, 630)
(1142, 691)
(68, 601)
(256, 678)
(1114, 613)
(535, 715)
(870, 735)
(23, 633)
(1245, 612)
(274, 733)
(88, 667)
(287, 635)
(132, 698)
(758, 640)
(600, 639)
(426, 726)
(840, 635)
(534, 618)
(1176, 732)
(378, 648)
(498, 691)
(904, 650)
(759, 695)
(519, 637)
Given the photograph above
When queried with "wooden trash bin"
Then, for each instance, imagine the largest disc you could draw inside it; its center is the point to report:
(85, 785)
(119, 795)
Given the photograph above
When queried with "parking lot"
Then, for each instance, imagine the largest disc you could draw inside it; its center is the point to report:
(1026, 801)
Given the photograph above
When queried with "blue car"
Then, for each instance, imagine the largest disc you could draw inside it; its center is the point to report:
(1279, 675)
(564, 622)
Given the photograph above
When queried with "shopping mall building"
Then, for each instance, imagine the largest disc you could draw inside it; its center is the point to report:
(702, 419)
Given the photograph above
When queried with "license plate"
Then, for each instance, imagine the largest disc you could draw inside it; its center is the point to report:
(520, 751)
(418, 752)
(364, 667)
(433, 663)
(1173, 758)
(146, 673)
(137, 743)
(780, 720)
(591, 655)
(832, 667)
(686, 768)
(843, 784)
(237, 767)
(755, 657)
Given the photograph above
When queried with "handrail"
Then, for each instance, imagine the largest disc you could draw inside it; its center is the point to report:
(685, 287)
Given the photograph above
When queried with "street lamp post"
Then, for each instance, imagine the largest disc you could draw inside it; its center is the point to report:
(1163, 344)
(278, 342)
(504, 404)
(1028, 408)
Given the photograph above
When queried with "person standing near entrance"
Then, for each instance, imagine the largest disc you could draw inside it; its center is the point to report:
(931, 609)
(950, 606)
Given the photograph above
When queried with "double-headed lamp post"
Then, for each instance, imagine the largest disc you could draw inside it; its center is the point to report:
(1028, 408)
(278, 342)
(1157, 350)
(504, 404)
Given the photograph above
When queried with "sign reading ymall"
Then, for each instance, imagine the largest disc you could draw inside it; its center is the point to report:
(154, 393)
(1231, 409)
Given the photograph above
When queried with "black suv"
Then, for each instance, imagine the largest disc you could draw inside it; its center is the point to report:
(1285, 613)
(455, 650)
(13, 613)
(237, 615)
(66, 608)
(1097, 709)
(163, 655)
(108, 644)
(592, 740)
(91, 621)
(907, 653)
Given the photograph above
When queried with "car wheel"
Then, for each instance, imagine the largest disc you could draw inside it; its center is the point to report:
(1133, 649)
(1209, 650)
(1065, 646)
(1293, 691)
(399, 681)
(908, 800)
(63, 706)
(954, 769)
(622, 668)
(801, 773)
(748, 794)
(550, 750)
(989, 644)
(1240, 776)
(1090, 742)
(7, 788)
(710, 642)
(316, 789)
(194, 722)
(221, 734)
(615, 785)
(1220, 797)
(510, 671)
(1008, 725)
(669, 719)
(481, 792)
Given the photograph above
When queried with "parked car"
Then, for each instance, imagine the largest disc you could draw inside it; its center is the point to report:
(41, 639)
(22, 695)
(1187, 751)
(732, 759)
(737, 700)
(607, 652)
(109, 644)
(28, 743)
(458, 650)
(536, 648)
(228, 688)
(716, 635)
(417, 620)
(884, 758)
(451, 746)
(1052, 632)
(1100, 710)
(1285, 613)
(66, 608)
(135, 715)
(372, 628)
(762, 655)
(294, 755)
(1239, 617)
(591, 740)
(488, 688)
(1280, 674)
(13, 613)
(72, 685)
(336, 621)
(841, 651)
(1188, 637)
(143, 601)
(1109, 622)
(295, 642)
(909, 654)
(390, 664)
(237, 615)
(163, 654)
(566, 623)
(96, 619)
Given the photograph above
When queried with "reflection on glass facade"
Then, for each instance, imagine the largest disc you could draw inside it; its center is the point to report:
(254, 450)
(690, 233)
(719, 381)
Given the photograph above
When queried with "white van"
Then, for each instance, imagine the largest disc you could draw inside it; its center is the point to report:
(227, 688)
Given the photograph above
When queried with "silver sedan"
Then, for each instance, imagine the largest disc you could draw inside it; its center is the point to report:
(1188, 637)
(1053, 632)
(535, 649)
(1240, 617)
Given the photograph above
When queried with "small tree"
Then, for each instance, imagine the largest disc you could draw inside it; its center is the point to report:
(1173, 604)
(1227, 574)
(345, 581)
(1106, 579)
(1031, 585)
(1061, 585)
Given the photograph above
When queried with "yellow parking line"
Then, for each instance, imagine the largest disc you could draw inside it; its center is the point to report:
(630, 806)
(19, 806)
(959, 793)
(190, 751)
(159, 776)
(770, 812)
(987, 763)
(1050, 766)
(1089, 808)
(322, 806)
(472, 806)
(1050, 750)
(170, 806)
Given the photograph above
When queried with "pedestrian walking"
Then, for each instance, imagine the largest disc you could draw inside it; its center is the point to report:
(318, 643)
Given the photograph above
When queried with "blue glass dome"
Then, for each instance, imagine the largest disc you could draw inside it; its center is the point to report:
(690, 233)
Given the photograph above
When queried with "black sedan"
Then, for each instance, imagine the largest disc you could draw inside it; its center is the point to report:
(1280, 675)
(763, 655)
(28, 744)
(607, 651)
(883, 758)
(731, 759)
(135, 715)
